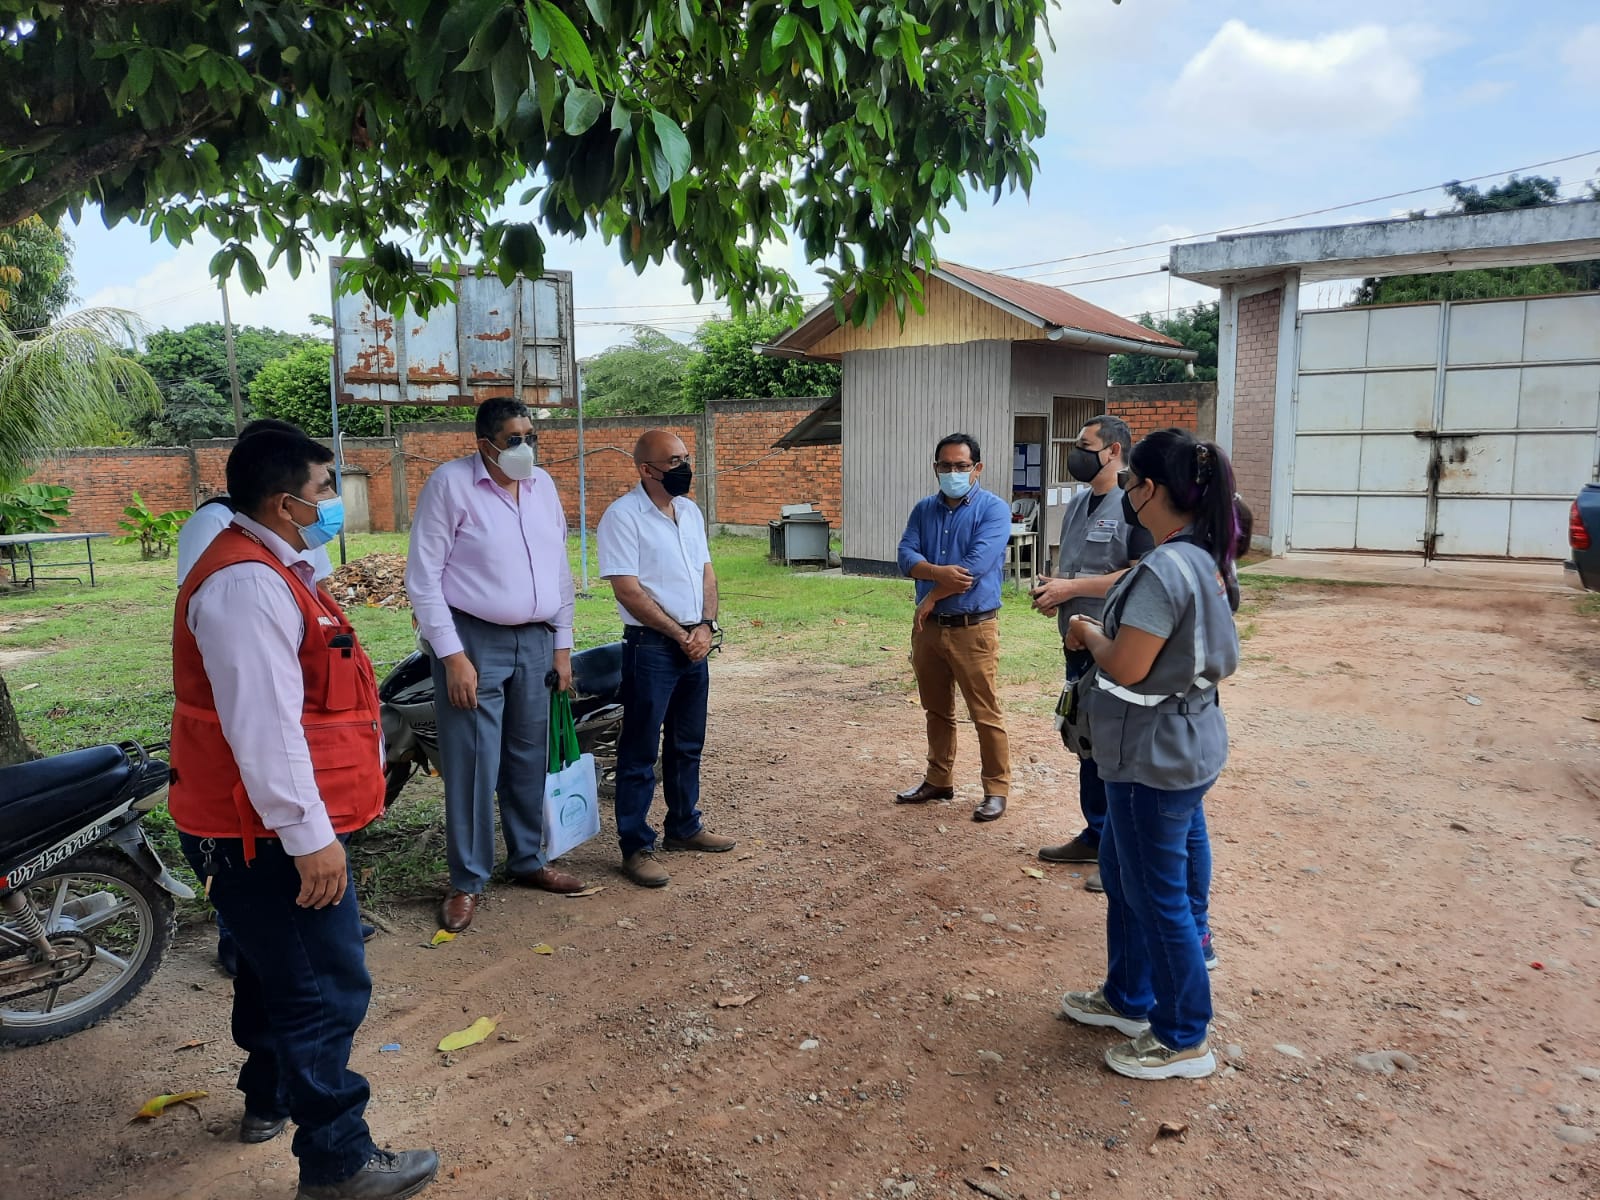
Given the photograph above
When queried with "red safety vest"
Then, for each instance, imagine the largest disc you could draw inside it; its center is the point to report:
(207, 796)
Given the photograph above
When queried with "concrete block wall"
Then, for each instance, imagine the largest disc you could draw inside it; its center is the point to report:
(103, 481)
(1254, 398)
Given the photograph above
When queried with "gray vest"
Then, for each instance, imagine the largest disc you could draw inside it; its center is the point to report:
(1167, 731)
(1094, 544)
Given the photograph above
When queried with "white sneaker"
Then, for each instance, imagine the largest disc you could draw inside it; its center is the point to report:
(1146, 1058)
(1092, 1008)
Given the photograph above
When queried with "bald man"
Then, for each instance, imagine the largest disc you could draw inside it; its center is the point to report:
(653, 550)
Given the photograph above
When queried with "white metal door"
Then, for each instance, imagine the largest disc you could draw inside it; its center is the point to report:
(1445, 429)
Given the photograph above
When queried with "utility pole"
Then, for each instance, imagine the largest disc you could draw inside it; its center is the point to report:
(233, 365)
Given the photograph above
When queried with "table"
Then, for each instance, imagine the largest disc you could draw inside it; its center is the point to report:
(1022, 555)
(27, 541)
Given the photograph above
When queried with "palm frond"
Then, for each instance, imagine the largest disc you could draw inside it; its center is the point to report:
(78, 372)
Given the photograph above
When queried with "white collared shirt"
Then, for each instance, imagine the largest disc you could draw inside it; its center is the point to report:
(668, 556)
(201, 529)
(248, 626)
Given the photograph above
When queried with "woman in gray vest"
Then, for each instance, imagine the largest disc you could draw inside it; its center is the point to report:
(1166, 639)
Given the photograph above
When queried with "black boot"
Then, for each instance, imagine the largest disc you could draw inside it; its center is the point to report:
(387, 1176)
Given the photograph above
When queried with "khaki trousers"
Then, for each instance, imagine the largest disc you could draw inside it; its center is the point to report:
(967, 657)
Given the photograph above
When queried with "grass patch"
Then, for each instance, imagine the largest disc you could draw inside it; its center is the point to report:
(1589, 605)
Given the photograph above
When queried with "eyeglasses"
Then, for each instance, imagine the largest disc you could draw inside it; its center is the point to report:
(944, 468)
(668, 464)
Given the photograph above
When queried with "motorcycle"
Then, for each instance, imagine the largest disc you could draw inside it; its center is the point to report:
(86, 905)
(411, 732)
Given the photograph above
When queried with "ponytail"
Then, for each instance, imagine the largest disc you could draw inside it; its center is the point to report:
(1199, 479)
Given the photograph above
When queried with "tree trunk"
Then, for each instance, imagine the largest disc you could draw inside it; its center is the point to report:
(14, 748)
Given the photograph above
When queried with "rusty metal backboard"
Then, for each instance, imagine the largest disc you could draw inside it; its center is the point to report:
(490, 340)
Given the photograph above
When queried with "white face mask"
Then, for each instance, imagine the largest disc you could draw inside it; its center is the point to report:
(517, 462)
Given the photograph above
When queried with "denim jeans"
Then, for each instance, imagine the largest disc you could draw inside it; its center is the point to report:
(300, 995)
(1155, 862)
(664, 699)
(1092, 800)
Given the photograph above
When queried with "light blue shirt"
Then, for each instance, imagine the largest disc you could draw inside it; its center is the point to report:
(973, 534)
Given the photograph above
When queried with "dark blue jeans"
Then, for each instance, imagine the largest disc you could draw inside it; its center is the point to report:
(1092, 800)
(300, 995)
(1155, 862)
(664, 699)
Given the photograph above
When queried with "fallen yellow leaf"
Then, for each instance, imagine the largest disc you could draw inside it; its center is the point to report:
(1033, 872)
(157, 1105)
(593, 890)
(443, 936)
(544, 948)
(735, 1001)
(470, 1036)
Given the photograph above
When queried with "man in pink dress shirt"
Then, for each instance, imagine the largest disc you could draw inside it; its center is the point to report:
(491, 587)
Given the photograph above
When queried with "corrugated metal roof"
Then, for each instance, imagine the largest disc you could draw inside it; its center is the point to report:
(1038, 303)
(1052, 306)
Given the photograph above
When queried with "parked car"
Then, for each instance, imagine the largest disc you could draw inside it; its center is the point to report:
(1583, 535)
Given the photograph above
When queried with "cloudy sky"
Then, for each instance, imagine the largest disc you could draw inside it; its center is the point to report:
(1168, 119)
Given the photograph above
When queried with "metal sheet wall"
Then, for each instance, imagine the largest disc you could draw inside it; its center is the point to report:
(897, 405)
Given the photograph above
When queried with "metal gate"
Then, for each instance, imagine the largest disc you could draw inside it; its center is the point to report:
(1445, 429)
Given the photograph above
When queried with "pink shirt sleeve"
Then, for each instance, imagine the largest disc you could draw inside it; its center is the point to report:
(569, 600)
(249, 629)
(432, 535)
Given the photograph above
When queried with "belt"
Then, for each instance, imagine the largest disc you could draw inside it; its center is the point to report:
(635, 632)
(958, 620)
(458, 612)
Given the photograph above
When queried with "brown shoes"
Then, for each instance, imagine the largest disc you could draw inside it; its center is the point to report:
(924, 792)
(645, 869)
(455, 914)
(551, 880)
(992, 809)
(710, 843)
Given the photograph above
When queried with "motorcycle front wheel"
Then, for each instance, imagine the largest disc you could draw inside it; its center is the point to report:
(109, 924)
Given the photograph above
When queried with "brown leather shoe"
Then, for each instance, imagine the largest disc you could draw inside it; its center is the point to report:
(645, 869)
(710, 843)
(551, 880)
(455, 914)
(924, 792)
(992, 809)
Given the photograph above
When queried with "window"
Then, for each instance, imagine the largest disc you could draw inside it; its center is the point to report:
(1068, 414)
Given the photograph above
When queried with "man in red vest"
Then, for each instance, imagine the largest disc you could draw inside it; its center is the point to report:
(277, 759)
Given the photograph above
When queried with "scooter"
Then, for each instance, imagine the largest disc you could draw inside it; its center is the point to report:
(86, 905)
(411, 731)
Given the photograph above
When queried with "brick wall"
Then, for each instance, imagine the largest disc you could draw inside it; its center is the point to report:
(373, 455)
(608, 447)
(1150, 406)
(753, 482)
(103, 482)
(1255, 392)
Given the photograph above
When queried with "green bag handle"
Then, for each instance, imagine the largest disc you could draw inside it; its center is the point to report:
(563, 736)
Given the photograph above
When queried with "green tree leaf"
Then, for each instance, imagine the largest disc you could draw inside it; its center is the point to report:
(582, 109)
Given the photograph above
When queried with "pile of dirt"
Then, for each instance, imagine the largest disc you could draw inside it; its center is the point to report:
(376, 581)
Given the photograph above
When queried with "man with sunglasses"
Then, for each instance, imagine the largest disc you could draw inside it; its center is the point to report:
(491, 586)
(955, 547)
(653, 550)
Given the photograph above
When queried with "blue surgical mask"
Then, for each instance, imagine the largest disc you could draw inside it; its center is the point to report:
(330, 520)
(956, 484)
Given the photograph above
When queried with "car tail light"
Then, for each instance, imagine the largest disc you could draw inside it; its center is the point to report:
(1577, 535)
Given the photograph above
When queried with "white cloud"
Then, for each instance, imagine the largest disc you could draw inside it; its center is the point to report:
(1251, 91)
(1580, 53)
(1484, 91)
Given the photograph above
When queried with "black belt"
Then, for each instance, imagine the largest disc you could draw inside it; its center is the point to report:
(546, 625)
(635, 632)
(961, 619)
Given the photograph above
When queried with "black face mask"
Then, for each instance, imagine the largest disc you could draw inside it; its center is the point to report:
(1130, 514)
(679, 480)
(1083, 465)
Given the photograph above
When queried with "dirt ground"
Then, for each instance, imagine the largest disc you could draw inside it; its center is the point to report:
(1397, 868)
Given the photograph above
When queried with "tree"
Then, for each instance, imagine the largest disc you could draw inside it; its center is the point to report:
(35, 275)
(730, 369)
(190, 367)
(52, 385)
(1196, 328)
(295, 388)
(644, 375)
(1531, 191)
(692, 129)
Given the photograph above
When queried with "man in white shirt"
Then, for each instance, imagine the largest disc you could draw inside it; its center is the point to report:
(216, 514)
(653, 550)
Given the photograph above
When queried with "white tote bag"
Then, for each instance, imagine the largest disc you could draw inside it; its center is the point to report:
(571, 797)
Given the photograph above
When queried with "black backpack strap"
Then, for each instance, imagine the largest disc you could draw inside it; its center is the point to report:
(223, 499)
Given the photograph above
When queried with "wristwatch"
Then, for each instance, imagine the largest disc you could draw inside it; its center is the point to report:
(712, 625)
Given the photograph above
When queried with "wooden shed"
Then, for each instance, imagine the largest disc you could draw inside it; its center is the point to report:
(1018, 365)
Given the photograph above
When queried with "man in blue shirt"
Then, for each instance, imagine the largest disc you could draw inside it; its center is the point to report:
(954, 547)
